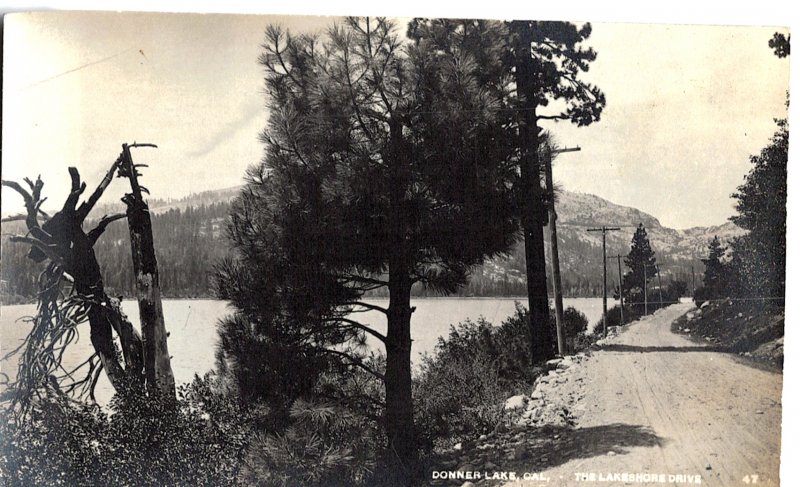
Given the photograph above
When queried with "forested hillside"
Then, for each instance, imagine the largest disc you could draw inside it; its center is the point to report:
(190, 237)
(188, 242)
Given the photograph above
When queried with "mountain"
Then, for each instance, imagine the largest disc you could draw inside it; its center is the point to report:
(189, 237)
(580, 251)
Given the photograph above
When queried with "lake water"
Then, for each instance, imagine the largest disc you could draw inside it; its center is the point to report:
(192, 328)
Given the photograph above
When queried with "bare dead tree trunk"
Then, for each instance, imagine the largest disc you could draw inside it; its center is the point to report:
(62, 240)
(157, 367)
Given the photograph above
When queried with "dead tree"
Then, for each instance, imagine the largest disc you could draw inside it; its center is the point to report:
(62, 241)
(157, 367)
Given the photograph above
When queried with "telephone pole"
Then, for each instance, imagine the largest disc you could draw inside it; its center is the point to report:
(621, 299)
(660, 294)
(555, 266)
(644, 270)
(605, 230)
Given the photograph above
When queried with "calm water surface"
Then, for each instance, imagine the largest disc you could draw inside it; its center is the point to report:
(192, 328)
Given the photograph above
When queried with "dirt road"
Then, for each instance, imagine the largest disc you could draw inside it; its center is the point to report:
(652, 402)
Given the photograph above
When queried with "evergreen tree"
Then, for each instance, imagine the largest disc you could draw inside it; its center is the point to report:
(547, 60)
(386, 164)
(641, 261)
(716, 275)
(759, 258)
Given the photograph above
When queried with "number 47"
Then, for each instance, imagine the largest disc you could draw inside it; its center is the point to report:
(750, 479)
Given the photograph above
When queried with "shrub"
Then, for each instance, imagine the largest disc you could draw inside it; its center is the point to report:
(64, 442)
(700, 296)
(575, 325)
(325, 444)
(461, 389)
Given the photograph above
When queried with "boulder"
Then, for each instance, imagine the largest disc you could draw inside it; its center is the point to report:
(552, 364)
(516, 402)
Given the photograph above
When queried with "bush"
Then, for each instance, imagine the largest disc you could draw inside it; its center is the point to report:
(700, 296)
(63, 442)
(461, 389)
(575, 325)
(613, 318)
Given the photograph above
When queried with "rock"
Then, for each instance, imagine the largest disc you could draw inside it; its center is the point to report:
(481, 437)
(552, 364)
(611, 453)
(708, 466)
(759, 412)
(685, 330)
(458, 447)
(516, 402)
(467, 484)
(565, 364)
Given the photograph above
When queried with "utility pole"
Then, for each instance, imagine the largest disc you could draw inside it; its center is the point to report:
(621, 299)
(644, 269)
(693, 288)
(555, 266)
(604, 229)
(660, 294)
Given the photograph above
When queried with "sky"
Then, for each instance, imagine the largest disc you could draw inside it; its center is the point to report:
(686, 106)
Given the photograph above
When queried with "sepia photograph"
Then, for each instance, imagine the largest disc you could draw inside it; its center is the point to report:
(426, 249)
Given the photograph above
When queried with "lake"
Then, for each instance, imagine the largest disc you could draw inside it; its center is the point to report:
(192, 328)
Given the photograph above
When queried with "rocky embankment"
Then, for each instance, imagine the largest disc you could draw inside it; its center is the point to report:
(754, 332)
(525, 440)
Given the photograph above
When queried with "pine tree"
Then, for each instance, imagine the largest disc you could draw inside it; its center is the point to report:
(386, 165)
(641, 261)
(759, 258)
(716, 274)
(548, 58)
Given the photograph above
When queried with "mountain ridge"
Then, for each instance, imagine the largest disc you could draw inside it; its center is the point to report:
(190, 237)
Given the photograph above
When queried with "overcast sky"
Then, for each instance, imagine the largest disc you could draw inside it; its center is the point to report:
(686, 106)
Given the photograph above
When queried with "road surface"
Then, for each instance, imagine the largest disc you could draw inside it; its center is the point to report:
(655, 403)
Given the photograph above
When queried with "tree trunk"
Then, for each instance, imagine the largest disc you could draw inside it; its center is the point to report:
(157, 368)
(399, 403)
(402, 451)
(534, 217)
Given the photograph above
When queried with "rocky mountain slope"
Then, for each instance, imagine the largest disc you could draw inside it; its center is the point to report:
(580, 251)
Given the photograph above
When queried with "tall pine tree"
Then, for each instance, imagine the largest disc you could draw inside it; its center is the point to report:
(759, 258)
(548, 58)
(716, 275)
(641, 260)
(386, 164)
